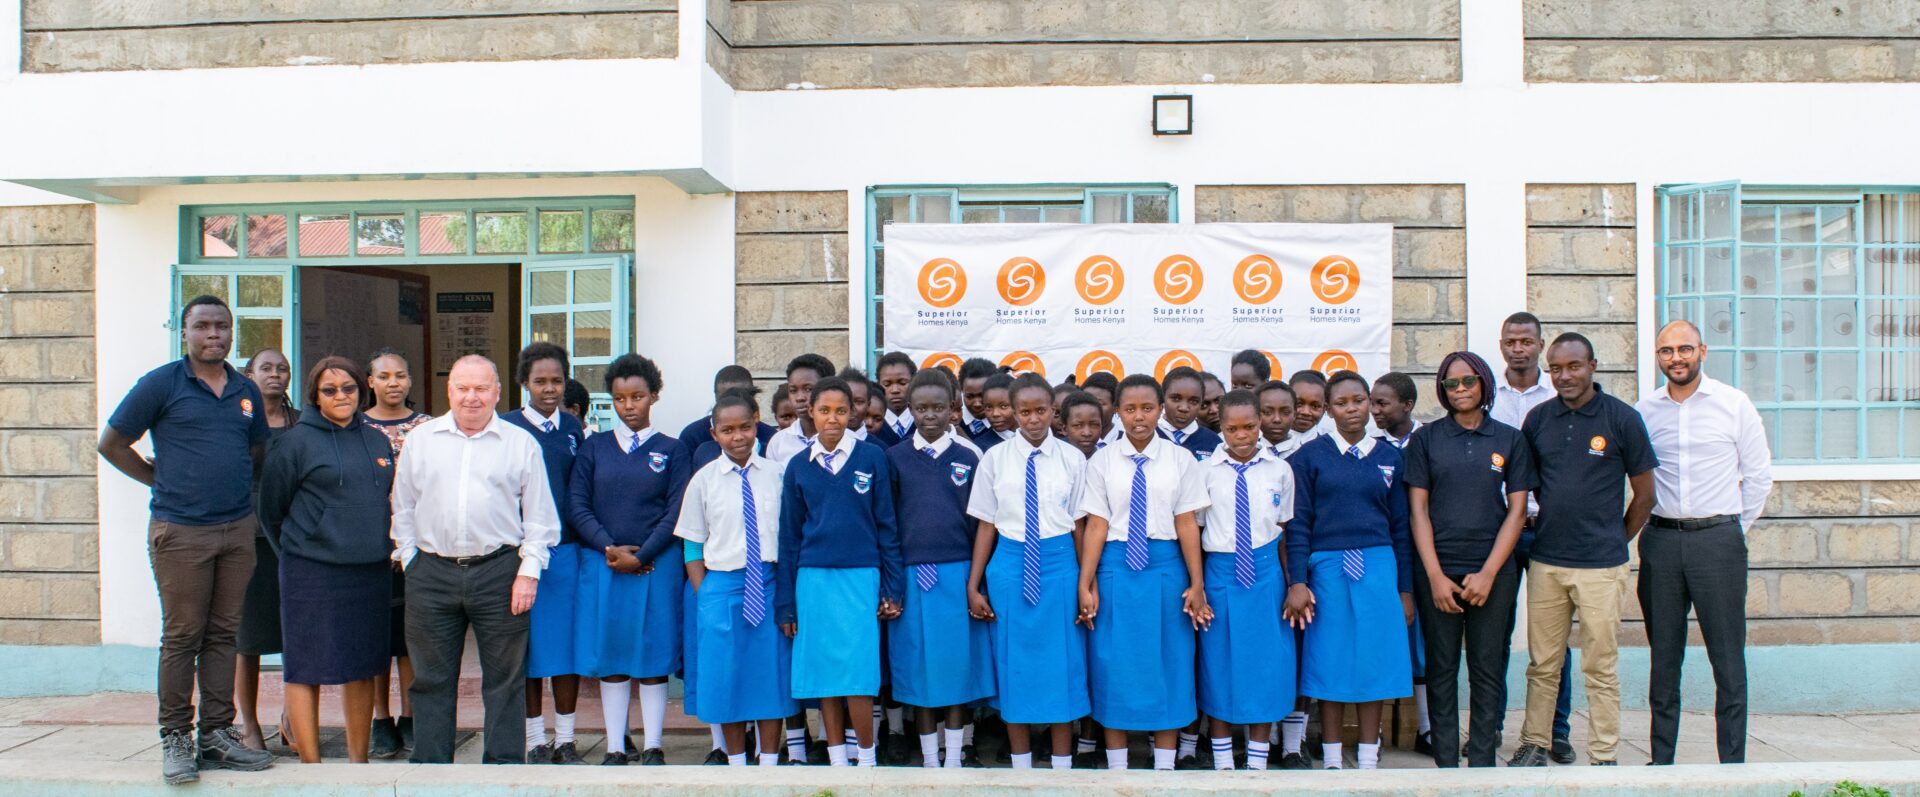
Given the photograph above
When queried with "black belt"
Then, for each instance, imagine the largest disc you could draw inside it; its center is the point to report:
(470, 561)
(1693, 523)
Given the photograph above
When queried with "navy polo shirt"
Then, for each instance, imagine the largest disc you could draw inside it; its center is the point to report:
(202, 443)
(1584, 457)
(1469, 473)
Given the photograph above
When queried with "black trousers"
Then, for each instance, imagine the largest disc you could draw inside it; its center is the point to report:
(1481, 633)
(443, 600)
(1705, 570)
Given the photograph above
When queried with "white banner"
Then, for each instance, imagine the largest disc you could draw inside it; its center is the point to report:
(1129, 298)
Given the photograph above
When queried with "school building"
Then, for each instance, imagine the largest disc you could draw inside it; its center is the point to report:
(709, 181)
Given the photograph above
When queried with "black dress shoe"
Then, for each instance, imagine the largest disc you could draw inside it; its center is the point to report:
(564, 753)
(1091, 760)
(384, 740)
(1423, 744)
(1528, 756)
(540, 754)
(970, 756)
(654, 757)
(405, 725)
(221, 749)
(816, 752)
(1294, 761)
(1562, 752)
(615, 760)
(715, 758)
(1187, 762)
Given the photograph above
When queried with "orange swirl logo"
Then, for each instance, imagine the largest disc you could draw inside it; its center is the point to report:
(1598, 443)
(1021, 361)
(1257, 279)
(1177, 280)
(1096, 361)
(1021, 281)
(1335, 279)
(1333, 360)
(942, 359)
(1274, 363)
(942, 282)
(1099, 280)
(1174, 359)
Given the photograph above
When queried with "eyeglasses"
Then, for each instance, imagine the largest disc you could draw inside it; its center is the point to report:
(1465, 381)
(348, 389)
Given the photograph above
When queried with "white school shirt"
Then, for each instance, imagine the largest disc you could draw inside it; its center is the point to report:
(790, 441)
(1184, 431)
(1712, 451)
(1000, 487)
(714, 514)
(1269, 498)
(1511, 406)
(1402, 442)
(1366, 444)
(1174, 486)
(458, 495)
(626, 437)
(901, 424)
(1285, 448)
(537, 419)
(940, 446)
(841, 453)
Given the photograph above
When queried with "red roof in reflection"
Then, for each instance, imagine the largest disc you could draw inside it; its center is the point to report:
(322, 237)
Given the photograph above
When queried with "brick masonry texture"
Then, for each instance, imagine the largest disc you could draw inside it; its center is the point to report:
(1720, 41)
(790, 270)
(1581, 263)
(49, 534)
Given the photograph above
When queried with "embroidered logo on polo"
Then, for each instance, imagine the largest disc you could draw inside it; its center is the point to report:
(1386, 472)
(1278, 497)
(382, 461)
(1597, 446)
(960, 474)
(246, 407)
(657, 462)
(1499, 463)
(862, 482)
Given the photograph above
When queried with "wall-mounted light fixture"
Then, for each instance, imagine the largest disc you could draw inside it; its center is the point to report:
(1173, 114)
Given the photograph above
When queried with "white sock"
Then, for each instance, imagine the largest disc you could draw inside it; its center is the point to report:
(1293, 731)
(797, 744)
(1162, 759)
(1330, 756)
(1063, 762)
(615, 700)
(967, 735)
(1257, 755)
(867, 757)
(1117, 759)
(1420, 706)
(737, 760)
(1369, 755)
(896, 719)
(1188, 743)
(1223, 752)
(719, 736)
(536, 732)
(769, 759)
(1085, 745)
(653, 713)
(836, 755)
(954, 753)
(562, 728)
(930, 750)
(1022, 760)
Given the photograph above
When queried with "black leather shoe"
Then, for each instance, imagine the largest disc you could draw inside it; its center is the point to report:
(384, 741)
(1528, 756)
(716, 758)
(970, 757)
(1423, 744)
(654, 757)
(179, 759)
(1294, 761)
(1187, 762)
(405, 726)
(565, 753)
(614, 760)
(1562, 752)
(221, 749)
(540, 754)
(1092, 760)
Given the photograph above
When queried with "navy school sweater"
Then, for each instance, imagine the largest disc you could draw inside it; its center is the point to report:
(1201, 443)
(621, 498)
(556, 449)
(1340, 502)
(840, 519)
(930, 503)
(700, 432)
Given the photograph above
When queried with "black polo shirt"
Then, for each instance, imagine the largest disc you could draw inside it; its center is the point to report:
(1584, 457)
(1469, 473)
(202, 443)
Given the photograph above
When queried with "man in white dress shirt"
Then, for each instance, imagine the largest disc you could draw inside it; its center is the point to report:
(473, 523)
(1711, 483)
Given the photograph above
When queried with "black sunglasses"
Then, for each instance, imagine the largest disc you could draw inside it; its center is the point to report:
(349, 389)
(1466, 381)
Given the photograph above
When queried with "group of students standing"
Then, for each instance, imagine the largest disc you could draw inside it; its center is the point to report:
(1176, 557)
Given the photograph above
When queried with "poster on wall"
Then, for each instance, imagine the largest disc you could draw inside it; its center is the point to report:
(463, 325)
(1074, 299)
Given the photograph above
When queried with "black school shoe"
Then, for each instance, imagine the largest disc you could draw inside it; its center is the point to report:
(1294, 761)
(565, 753)
(1562, 752)
(970, 757)
(619, 759)
(405, 725)
(540, 754)
(1423, 744)
(716, 758)
(221, 749)
(1188, 762)
(655, 757)
(384, 741)
(901, 750)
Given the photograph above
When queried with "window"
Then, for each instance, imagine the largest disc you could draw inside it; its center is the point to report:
(443, 232)
(261, 298)
(1124, 204)
(1808, 300)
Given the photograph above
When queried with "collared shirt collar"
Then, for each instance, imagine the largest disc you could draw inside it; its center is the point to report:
(1447, 424)
(754, 460)
(1045, 445)
(1221, 458)
(894, 419)
(1341, 445)
(921, 443)
(845, 447)
(537, 419)
(1155, 446)
(625, 436)
(449, 424)
(1707, 386)
(1399, 442)
(1186, 431)
(1591, 408)
(1539, 383)
(234, 376)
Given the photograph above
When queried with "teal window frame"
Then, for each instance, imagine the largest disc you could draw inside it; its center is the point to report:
(992, 204)
(1706, 256)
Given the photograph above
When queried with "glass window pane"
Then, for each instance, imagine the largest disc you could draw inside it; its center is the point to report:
(193, 285)
(1759, 375)
(253, 334)
(1883, 434)
(886, 210)
(1910, 433)
(1719, 321)
(1798, 270)
(1716, 268)
(1759, 323)
(443, 232)
(382, 235)
(1063, 214)
(1150, 209)
(1797, 375)
(219, 236)
(1882, 213)
(1839, 376)
(1682, 218)
(1883, 270)
(979, 215)
(548, 328)
(500, 233)
(1837, 318)
(613, 231)
(1883, 376)
(1757, 270)
(593, 376)
(1836, 224)
(1798, 327)
(1719, 214)
(592, 285)
(1109, 208)
(323, 235)
(267, 236)
(261, 290)
(1720, 363)
(1796, 431)
(1839, 434)
(548, 288)
(1024, 215)
(1756, 224)
(1836, 271)
(563, 231)
(1771, 420)
(1683, 310)
(935, 209)
(1797, 223)
(1681, 271)
(593, 333)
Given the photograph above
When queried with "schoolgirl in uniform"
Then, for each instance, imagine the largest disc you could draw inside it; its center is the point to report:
(941, 659)
(730, 522)
(626, 493)
(997, 405)
(1247, 654)
(841, 572)
(550, 646)
(1349, 563)
(1142, 588)
(1276, 430)
(1276, 416)
(1185, 392)
(1083, 420)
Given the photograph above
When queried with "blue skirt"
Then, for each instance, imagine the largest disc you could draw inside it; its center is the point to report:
(336, 616)
(629, 624)
(939, 655)
(1419, 645)
(1039, 654)
(744, 669)
(1142, 643)
(1247, 656)
(550, 645)
(1353, 644)
(836, 652)
(690, 647)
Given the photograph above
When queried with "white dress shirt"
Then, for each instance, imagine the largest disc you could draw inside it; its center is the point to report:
(790, 441)
(1402, 442)
(900, 423)
(713, 512)
(1511, 406)
(1269, 498)
(537, 419)
(1713, 453)
(1184, 431)
(1174, 486)
(842, 452)
(1000, 487)
(940, 446)
(457, 495)
(626, 437)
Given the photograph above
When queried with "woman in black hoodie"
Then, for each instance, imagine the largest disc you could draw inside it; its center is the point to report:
(323, 505)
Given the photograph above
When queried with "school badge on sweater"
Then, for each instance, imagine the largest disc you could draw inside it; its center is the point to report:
(960, 474)
(862, 482)
(657, 462)
(1386, 472)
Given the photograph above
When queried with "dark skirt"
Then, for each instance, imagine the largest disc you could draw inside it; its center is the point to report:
(260, 615)
(343, 614)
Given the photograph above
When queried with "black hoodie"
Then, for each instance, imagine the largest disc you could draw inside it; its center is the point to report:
(324, 491)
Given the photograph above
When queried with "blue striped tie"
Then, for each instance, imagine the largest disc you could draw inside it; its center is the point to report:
(977, 426)
(826, 460)
(754, 605)
(546, 426)
(927, 575)
(1030, 551)
(931, 453)
(1353, 561)
(900, 428)
(635, 445)
(1242, 526)
(1179, 437)
(1137, 516)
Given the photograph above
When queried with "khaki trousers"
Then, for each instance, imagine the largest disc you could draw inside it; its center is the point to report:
(1554, 596)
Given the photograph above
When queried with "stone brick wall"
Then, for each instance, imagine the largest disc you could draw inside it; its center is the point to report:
(790, 272)
(111, 35)
(49, 534)
(1581, 266)
(1722, 41)
(1429, 254)
(940, 43)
